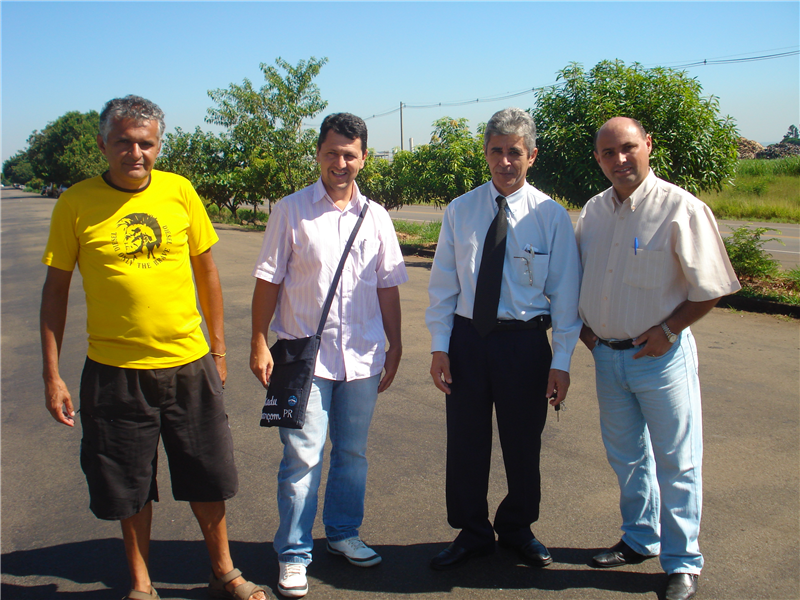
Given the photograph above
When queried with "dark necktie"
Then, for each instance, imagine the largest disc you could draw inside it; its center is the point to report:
(490, 275)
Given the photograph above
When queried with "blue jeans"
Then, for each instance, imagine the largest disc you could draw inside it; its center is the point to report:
(651, 421)
(347, 407)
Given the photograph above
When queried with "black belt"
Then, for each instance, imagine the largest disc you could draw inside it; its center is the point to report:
(617, 344)
(541, 322)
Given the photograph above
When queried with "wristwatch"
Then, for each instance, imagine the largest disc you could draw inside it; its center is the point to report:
(671, 337)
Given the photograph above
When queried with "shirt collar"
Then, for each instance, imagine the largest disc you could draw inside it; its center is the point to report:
(639, 194)
(357, 201)
(511, 199)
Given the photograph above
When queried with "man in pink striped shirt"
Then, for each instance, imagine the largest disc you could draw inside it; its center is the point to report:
(303, 242)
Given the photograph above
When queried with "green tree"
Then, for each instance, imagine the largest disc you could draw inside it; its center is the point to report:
(66, 151)
(793, 135)
(377, 181)
(213, 164)
(693, 146)
(17, 169)
(449, 166)
(266, 126)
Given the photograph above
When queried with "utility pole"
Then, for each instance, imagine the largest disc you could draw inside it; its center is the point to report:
(401, 125)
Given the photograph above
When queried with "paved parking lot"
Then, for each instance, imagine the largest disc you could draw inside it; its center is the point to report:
(52, 546)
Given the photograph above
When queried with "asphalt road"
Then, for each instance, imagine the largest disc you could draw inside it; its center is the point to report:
(785, 247)
(53, 548)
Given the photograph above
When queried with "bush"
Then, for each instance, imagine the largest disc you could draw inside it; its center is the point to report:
(213, 211)
(693, 146)
(793, 275)
(745, 248)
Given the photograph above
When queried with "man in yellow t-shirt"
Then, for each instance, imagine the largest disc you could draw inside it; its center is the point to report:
(140, 237)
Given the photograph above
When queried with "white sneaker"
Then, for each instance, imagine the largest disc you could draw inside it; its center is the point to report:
(292, 581)
(355, 551)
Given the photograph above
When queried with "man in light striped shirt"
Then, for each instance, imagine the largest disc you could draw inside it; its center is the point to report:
(653, 264)
(304, 240)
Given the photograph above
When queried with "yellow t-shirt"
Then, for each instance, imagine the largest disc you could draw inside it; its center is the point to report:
(133, 250)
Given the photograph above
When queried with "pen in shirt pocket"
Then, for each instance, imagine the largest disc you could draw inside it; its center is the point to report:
(635, 245)
(532, 250)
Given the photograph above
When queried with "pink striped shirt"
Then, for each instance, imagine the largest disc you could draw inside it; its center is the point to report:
(304, 240)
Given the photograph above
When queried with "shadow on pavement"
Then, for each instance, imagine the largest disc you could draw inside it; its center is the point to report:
(183, 565)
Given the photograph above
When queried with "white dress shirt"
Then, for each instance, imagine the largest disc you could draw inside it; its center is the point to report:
(303, 243)
(643, 257)
(541, 270)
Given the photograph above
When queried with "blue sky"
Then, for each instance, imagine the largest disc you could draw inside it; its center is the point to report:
(62, 56)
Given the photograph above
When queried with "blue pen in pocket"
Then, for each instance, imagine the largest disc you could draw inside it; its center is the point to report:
(635, 245)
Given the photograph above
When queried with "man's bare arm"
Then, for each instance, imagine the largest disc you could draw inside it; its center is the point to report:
(389, 301)
(654, 340)
(209, 292)
(52, 320)
(265, 300)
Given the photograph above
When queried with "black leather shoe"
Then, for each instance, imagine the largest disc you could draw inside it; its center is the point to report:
(532, 552)
(454, 555)
(618, 555)
(681, 586)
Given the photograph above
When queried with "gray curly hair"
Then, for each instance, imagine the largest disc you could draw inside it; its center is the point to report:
(511, 121)
(130, 107)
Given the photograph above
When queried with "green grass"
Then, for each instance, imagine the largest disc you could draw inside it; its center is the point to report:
(763, 190)
(417, 234)
(764, 167)
(758, 293)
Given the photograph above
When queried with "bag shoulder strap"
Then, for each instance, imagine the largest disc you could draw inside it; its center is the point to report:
(335, 283)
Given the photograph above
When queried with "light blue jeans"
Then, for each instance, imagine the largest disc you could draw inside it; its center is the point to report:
(651, 421)
(347, 407)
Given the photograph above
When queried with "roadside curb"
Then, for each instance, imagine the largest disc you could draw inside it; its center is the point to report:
(759, 306)
(733, 301)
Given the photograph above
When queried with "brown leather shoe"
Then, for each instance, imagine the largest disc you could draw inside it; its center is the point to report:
(681, 586)
(618, 555)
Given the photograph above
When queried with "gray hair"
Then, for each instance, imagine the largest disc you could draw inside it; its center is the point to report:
(130, 107)
(511, 121)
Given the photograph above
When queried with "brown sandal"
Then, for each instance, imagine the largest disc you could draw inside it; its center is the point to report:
(134, 595)
(216, 587)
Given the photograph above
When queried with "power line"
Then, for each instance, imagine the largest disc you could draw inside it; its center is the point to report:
(732, 61)
(699, 63)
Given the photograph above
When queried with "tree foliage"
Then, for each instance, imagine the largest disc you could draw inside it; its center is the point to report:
(793, 135)
(17, 169)
(693, 146)
(378, 181)
(66, 151)
(265, 126)
(212, 163)
(449, 166)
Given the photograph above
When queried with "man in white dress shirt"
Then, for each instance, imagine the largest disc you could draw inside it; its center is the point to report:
(303, 242)
(653, 264)
(506, 267)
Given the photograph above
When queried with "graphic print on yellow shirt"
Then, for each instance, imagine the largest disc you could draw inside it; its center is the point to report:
(133, 250)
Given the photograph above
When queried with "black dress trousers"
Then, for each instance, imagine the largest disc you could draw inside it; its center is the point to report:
(507, 371)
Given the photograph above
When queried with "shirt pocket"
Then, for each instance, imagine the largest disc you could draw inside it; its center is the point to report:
(645, 269)
(530, 270)
(365, 259)
(364, 279)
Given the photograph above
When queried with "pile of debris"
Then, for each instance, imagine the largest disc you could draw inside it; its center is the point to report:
(781, 150)
(748, 148)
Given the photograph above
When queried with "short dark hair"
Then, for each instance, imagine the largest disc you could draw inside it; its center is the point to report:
(350, 126)
(636, 123)
(130, 107)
